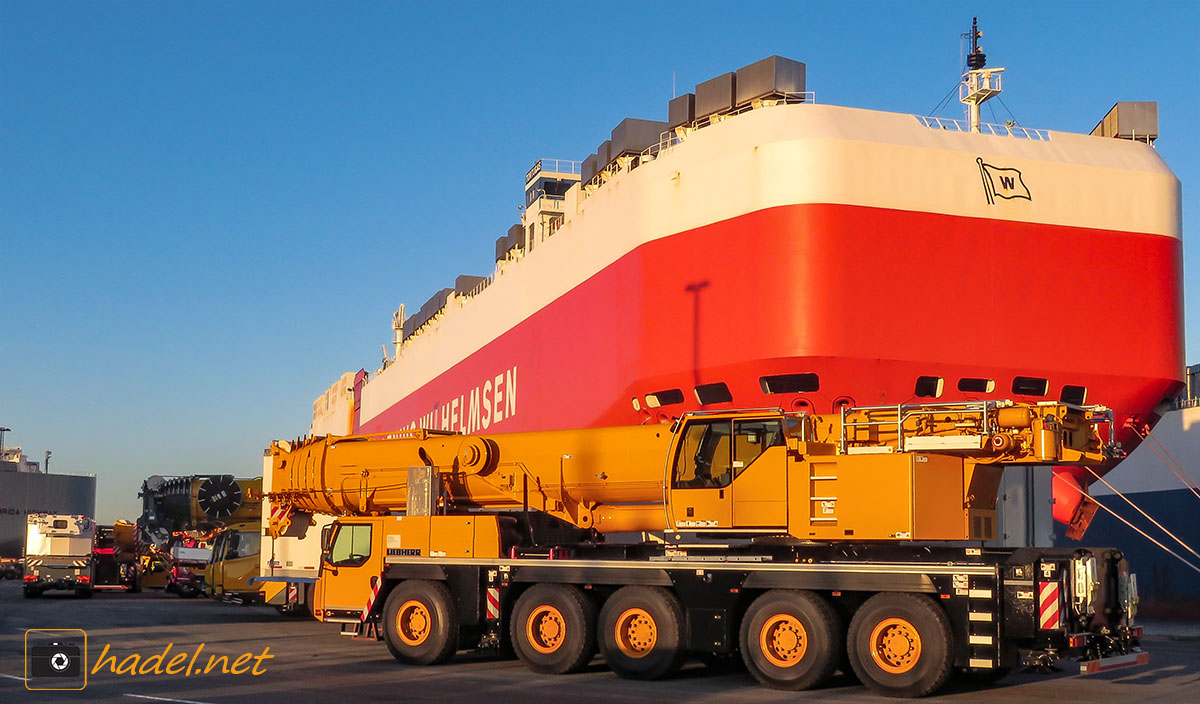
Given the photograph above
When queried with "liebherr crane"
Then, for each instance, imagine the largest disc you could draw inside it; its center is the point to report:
(788, 537)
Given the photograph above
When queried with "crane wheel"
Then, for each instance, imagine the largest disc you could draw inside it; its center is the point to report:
(553, 629)
(641, 633)
(419, 624)
(791, 640)
(900, 645)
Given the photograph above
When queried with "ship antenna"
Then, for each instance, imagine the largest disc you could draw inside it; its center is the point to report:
(979, 84)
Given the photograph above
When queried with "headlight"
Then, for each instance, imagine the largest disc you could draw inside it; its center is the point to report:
(1083, 575)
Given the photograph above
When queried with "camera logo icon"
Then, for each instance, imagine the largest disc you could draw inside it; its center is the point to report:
(55, 659)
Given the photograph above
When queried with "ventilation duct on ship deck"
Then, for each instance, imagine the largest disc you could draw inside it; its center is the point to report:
(1136, 121)
(633, 135)
(629, 138)
(516, 237)
(430, 309)
(715, 95)
(603, 155)
(774, 76)
(589, 168)
(681, 111)
(465, 283)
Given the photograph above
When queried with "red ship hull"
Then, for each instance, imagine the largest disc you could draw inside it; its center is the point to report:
(869, 299)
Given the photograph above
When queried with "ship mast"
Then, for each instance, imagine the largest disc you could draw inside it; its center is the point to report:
(979, 84)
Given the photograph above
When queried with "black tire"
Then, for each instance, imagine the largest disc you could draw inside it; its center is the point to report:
(900, 645)
(791, 640)
(641, 633)
(429, 633)
(553, 629)
(32, 593)
(84, 593)
(308, 609)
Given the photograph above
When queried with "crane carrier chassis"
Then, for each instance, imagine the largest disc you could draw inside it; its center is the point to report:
(906, 615)
(804, 543)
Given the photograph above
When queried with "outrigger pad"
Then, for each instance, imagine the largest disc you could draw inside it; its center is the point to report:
(1082, 518)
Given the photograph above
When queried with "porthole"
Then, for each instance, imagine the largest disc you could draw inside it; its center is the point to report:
(713, 393)
(929, 387)
(789, 383)
(664, 398)
(976, 386)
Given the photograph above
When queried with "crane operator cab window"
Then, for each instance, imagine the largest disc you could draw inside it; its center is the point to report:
(241, 544)
(714, 453)
(351, 545)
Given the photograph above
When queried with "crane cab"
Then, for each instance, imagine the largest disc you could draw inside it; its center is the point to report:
(730, 472)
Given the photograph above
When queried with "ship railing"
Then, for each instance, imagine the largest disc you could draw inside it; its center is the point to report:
(457, 298)
(795, 98)
(548, 201)
(1181, 403)
(670, 138)
(945, 123)
(487, 281)
(558, 166)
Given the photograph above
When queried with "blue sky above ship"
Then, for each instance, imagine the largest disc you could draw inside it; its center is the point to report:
(208, 212)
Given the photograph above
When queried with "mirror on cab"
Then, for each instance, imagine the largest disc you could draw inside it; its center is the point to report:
(326, 534)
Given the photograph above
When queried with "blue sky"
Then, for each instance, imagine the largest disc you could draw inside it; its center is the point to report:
(208, 211)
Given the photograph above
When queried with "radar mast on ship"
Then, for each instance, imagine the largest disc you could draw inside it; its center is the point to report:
(979, 84)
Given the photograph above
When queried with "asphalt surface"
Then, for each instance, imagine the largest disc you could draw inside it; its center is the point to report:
(311, 662)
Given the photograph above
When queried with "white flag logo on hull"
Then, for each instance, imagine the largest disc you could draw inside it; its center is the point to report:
(1000, 182)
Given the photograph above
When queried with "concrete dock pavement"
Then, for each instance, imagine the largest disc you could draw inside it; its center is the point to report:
(309, 661)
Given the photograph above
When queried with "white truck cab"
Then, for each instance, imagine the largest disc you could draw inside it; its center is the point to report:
(58, 553)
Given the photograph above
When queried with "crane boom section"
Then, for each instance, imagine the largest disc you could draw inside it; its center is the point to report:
(928, 471)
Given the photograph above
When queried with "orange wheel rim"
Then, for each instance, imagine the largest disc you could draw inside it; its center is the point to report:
(636, 632)
(413, 623)
(895, 645)
(783, 640)
(545, 629)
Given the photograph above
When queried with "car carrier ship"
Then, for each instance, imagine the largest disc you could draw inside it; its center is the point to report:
(761, 249)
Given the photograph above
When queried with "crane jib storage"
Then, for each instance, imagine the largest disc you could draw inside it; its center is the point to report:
(791, 538)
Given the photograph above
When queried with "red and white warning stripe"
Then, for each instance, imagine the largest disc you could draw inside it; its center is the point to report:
(281, 517)
(1091, 667)
(1048, 605)
(375, 584)
(493, 602)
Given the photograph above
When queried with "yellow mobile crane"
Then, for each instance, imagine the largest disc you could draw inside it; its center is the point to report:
(791, 538)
